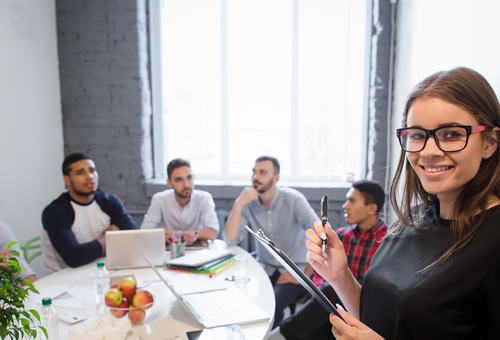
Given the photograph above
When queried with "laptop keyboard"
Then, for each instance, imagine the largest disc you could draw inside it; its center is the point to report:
(207, 306)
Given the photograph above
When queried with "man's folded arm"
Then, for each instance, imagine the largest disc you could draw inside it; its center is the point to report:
(64, 241)
(118, 214)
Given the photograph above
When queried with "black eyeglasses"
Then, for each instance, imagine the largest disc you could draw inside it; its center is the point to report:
(448, 138)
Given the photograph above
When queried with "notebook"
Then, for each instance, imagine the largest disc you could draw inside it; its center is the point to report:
(218, 308)
(295, 271)
(124, 248)
(198, 258)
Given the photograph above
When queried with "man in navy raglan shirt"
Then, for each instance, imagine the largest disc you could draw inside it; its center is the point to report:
(74, 224)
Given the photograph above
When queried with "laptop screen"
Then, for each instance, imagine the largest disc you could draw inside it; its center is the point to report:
(124, 248)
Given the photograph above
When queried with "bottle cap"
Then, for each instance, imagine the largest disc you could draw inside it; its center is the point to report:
(100, 264)
(46, 302)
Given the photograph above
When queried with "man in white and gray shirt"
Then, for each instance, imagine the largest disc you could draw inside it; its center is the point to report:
(182, 210)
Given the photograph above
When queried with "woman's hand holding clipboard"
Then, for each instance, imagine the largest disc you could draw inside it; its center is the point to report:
(295, 271)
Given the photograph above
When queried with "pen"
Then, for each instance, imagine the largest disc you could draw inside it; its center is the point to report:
(324, 220)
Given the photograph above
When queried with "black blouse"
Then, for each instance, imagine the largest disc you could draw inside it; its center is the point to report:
(458, 299)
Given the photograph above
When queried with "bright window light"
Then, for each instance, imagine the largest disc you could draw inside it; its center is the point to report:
(242, 79)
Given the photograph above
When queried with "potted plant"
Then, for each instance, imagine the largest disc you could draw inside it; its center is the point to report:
(15, 321)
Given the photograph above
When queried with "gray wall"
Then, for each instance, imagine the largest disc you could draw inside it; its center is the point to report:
(31, 135)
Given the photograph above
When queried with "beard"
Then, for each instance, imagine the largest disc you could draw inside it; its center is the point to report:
(81, 193)
(264, 187)
(181, 193)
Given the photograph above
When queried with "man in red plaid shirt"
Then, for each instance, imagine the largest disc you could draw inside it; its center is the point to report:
(361, 240)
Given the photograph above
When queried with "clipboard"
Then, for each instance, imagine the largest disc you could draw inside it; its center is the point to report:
(295, 271)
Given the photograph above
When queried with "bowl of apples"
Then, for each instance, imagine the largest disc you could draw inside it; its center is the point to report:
(124, 299)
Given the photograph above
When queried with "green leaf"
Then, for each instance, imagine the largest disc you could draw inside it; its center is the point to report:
(15, 253)
(44, 331)
(11, 244)
(32, 257)
(15, 321)
(35, 313)
(25, 322)
(29, 283)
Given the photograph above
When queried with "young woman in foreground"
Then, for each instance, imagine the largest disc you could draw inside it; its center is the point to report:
(437, 274)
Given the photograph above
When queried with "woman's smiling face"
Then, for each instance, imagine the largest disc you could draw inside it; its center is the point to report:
(445, 173)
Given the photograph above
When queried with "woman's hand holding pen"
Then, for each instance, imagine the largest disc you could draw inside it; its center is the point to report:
(332, 264)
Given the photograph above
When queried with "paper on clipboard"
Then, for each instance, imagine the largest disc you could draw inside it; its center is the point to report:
(295, 271)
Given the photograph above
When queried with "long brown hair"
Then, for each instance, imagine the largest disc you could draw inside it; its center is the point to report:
(469, 90)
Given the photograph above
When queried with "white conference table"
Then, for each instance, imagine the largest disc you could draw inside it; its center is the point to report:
(167, 313)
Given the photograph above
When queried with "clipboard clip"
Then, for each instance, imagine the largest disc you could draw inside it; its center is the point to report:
(261, 234)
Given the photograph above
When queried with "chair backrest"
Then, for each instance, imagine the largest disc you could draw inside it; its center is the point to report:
(29, 246)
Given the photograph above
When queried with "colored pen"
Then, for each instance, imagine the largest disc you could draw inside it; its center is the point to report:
(324, 220)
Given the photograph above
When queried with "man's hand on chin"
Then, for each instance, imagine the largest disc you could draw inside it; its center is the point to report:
(248, 195)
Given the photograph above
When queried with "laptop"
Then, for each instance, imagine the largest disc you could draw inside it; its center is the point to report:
(218, 308)
(124, 248)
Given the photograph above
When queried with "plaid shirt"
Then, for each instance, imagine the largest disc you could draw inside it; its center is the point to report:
(360, 248)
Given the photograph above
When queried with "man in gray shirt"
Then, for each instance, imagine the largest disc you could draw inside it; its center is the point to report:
(284, 215)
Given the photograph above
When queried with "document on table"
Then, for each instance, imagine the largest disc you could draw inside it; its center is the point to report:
(65, 295)
(188, 284)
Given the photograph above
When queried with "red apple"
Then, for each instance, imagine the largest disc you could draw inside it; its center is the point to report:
(142, 298)
(128, 287)
(136, 315)
(120, 313)
(115, 286)
(113, 297)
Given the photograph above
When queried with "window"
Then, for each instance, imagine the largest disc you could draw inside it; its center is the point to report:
(242, 79)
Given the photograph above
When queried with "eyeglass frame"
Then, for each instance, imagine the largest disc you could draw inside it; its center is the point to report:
(470, 129)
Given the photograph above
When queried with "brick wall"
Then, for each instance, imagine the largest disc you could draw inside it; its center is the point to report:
(105, 91)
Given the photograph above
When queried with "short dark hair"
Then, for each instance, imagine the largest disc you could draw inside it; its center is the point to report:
(70, 160)
(372, 192)
(276, 164)
(176, 163)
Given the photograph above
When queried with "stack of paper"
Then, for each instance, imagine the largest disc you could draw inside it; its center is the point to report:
(207, 261)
